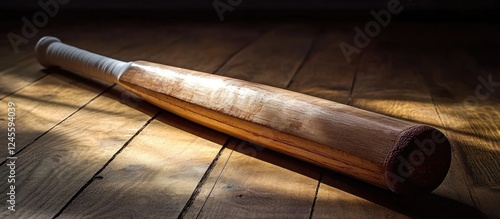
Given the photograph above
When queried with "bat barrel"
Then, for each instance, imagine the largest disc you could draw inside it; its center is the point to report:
(51, 52)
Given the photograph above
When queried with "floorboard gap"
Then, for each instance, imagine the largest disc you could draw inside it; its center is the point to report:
(316, 194)
(204, 179)
(306, 57)
(349, 100)
(239, 50)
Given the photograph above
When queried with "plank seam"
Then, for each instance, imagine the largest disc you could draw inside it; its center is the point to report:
(305, 59)
(349, 100)
(241, 49)
(87, 184)
(218, 177)
(203, 179)
(316, 193)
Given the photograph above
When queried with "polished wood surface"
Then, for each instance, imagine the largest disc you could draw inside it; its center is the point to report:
(88, 149)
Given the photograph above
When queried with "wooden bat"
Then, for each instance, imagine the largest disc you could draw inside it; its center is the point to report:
(405, 157)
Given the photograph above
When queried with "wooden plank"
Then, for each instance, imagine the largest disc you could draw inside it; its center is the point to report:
(251, 183)
(20, 75)
(44, 104)
(207, 47)
(260, 183)
(326, 74)
(58, 164)
(175, 154)
(154, 175)
(204, 190)
(343, 197)
(469, 116)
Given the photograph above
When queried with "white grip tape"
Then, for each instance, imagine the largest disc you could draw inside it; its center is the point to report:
(51, 52)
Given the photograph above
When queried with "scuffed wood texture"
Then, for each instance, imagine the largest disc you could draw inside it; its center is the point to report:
(89, 149)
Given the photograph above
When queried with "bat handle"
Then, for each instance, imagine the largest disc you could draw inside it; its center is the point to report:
(51, 52)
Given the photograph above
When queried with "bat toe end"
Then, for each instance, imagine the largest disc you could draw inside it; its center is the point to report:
(419, 161)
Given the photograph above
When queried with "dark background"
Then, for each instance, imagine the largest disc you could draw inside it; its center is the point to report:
(484, 10)
(263, 4)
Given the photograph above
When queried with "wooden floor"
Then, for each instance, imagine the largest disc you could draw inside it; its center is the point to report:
(87, 149)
